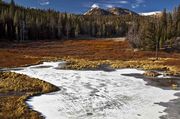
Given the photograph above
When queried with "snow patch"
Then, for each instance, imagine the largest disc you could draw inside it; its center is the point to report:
(150, 13)
(97, 94)
(95, 6)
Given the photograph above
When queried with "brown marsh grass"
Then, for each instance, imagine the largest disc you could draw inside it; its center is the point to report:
(119, 54)
(81, 54)
(14, 90)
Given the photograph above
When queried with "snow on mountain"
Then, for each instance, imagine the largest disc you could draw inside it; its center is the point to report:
(96, 10)
(150, 13)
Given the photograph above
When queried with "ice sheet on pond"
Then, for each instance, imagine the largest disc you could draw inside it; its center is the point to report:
(97, 94)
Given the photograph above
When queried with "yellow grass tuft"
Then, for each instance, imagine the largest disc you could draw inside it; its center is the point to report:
(15, 89)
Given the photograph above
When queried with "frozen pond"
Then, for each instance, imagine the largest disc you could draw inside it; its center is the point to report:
(96, 94)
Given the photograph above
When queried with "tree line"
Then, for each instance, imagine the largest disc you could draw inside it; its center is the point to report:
(157, 32)
(143, 32)
(19, 23)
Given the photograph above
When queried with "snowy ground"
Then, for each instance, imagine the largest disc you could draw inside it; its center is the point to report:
(96, 94)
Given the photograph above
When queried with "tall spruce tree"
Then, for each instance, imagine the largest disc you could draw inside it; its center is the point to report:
(163, 23)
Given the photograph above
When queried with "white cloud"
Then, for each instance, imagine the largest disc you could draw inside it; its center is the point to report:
(109, 6)
(44, 2)
(138, 3)
(134, 6)
(115, 2)
(95, 6)
(123, 2)
(108, 3)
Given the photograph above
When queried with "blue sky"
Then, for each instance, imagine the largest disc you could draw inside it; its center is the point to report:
(81, 6)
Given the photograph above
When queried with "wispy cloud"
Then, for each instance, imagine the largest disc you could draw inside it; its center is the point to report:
(123, 2)
(117, 3)
(44, 2)
(138, 3)
(107, 3)
(113, 2)
(134, 5)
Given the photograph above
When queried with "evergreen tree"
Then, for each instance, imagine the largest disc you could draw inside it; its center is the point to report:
(163, 23)
(17, 23)
(150, 39)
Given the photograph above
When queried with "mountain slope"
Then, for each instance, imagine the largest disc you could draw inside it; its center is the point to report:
(121, 11)
(111, 11)
(97, 11)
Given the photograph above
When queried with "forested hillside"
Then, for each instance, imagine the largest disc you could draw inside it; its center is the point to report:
(144, 32)
(18, 23)
(159, 32)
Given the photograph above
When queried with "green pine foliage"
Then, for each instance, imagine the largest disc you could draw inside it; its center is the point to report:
(18, 24)
(162, 32)
(148, 33)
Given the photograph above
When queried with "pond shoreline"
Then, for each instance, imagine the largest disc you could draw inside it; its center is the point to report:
(16, 89)
(107, 68)
(149, 82)
(172, 107)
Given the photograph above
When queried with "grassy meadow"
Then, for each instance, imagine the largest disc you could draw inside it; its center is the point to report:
(88, 54)
(15, 89)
